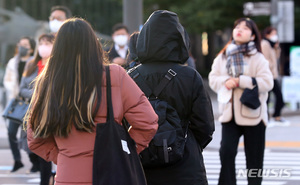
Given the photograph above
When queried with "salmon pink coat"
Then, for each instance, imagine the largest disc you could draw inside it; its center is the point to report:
(74, 154)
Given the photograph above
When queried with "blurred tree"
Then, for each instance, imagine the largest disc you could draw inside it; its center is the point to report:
(215, 17)
(203, 15)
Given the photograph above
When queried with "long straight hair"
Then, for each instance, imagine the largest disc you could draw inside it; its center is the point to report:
(68, 91)
(251, 25)
(32, 65)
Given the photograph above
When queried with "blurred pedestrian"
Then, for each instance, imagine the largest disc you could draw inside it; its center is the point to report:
(163, 45)
(118, 52)
(12, 78)
(232, 72)
(191, 61)
(271, 50)
(69, 100)
(132, 59)
(15, 66)
(32, 70)
(57, 16)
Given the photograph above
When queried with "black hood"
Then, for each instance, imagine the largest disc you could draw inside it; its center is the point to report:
(163, 39)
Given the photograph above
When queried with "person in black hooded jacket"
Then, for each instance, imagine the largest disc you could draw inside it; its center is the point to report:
(163, 44)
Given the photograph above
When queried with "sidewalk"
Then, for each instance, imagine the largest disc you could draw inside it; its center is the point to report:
(3, 134)
(286, 112)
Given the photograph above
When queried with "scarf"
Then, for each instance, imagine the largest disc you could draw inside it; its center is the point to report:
(40, 66)
(235, 57)
(271, 42)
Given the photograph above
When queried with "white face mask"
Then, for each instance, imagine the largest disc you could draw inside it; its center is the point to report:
(45, 50)
(274, 38)
(120, 40)
(55, 25)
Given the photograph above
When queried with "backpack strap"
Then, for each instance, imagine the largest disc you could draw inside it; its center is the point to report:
(164, 82)
(137, 77)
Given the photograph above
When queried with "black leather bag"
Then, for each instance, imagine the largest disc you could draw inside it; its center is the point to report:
(16, 109)
(115, 160)
(250, 96)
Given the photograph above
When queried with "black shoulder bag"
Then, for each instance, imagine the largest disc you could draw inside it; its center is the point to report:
(115, 160)
(250, 96)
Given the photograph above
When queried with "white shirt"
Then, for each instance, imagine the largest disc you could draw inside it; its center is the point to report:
(121, 51)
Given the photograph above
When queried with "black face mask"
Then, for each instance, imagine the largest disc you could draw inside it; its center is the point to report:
(22, 51)
(271, 42)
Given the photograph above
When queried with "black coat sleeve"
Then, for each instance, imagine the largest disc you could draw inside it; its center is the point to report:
(202, 119)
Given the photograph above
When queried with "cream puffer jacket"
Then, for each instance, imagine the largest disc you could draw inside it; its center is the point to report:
(11, 76)
(255, 66)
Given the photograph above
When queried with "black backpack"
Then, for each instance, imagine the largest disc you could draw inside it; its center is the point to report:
(167, 146)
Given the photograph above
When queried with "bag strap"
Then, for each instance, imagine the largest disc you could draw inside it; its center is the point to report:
(254, 81)
(134, 73)
(110, 112)
(164, 82)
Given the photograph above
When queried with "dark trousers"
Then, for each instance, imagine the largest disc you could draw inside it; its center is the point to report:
(254, 143)
(279, 104)
(46, 171)
(13, 128)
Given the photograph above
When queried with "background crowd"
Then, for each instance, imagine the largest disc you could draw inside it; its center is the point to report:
(59, 117)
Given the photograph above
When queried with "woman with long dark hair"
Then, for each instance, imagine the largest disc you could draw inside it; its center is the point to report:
(69, 100)
(32, 70)
(232, 72)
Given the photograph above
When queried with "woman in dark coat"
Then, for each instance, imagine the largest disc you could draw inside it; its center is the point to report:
(163, 44)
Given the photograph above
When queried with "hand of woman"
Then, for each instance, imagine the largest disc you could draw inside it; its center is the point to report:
(232, 83)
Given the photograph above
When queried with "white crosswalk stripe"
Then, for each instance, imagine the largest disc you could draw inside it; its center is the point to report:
(279, 168)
